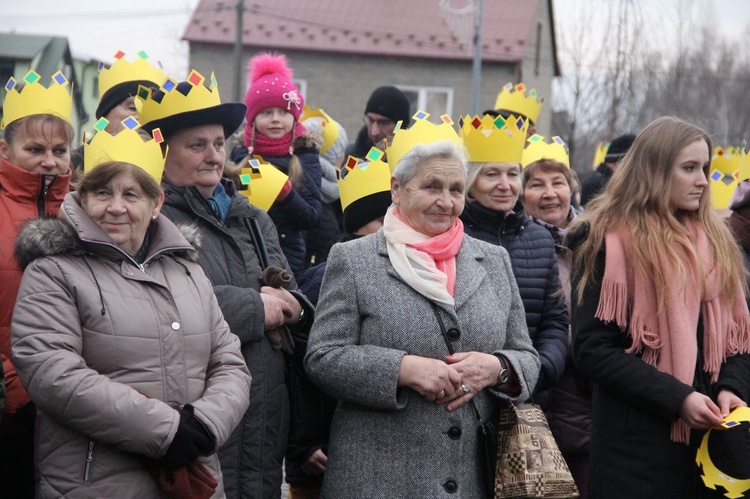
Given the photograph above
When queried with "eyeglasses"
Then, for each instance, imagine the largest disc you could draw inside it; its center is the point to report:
(382, 123)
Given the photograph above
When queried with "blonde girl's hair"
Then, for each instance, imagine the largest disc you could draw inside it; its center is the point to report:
(638, 197)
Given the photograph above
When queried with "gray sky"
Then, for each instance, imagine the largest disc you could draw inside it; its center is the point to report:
(98, 29)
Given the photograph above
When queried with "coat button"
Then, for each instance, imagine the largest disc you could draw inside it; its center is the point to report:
(175, 326)
(454, 334)
(450, 486)
(454, 433)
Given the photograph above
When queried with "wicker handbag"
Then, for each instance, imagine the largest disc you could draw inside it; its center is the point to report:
(529, 463)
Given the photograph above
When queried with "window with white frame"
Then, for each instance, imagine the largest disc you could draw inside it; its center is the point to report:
(436, 101)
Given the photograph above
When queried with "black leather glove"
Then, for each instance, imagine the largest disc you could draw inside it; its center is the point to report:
(191, 440)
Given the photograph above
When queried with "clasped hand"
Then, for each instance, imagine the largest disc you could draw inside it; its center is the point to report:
(452, 382)
(700, 412)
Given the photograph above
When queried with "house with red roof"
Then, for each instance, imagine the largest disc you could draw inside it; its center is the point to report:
(341, 50)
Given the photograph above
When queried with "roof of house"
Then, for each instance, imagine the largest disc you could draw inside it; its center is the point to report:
(413, 28)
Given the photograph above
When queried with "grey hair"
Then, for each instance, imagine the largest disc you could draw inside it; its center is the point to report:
(443, 149)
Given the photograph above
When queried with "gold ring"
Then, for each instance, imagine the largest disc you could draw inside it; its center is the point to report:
(441, 394)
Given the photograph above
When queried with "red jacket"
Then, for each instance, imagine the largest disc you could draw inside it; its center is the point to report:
(22, 197)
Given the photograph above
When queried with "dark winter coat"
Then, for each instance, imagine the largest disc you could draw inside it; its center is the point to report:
(534, 262)
(634, 406)
(251, 460)
(595, 183)
(300, 210)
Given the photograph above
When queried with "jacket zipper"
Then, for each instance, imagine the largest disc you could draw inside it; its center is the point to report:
(89, 459)
(42, 197)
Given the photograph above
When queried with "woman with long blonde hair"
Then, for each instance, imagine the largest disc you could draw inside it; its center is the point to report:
(661, 324)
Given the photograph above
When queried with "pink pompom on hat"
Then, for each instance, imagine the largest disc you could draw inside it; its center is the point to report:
(271, 85)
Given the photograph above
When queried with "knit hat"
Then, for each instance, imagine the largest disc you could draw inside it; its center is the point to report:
(619, 147)
(364, 210)
(390, 102)
(271, 85)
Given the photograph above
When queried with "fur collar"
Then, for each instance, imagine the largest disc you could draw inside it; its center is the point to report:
(45, 237)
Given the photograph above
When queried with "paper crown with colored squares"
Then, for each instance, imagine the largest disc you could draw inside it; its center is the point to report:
(732, 447)
(537, 148)
(724, 175)
(123, 70)
(517, 100)
(30, 97)
(128, 145)
(421, 132)
(493, 139)
(364, 178)
(174, 102)
(261, 182)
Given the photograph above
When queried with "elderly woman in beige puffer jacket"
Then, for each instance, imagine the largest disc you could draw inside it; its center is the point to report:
(120, 342)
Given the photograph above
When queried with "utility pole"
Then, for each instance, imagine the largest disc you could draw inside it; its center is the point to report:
(238, 66)
(476, 75)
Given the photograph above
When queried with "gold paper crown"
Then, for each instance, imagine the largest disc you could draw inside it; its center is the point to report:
(421, 132)
(494, 140)
(174, 102)
(600, 153)
(364, 178)
(123, 71)
(537, 148)
(261, 182)
(513, 98)
(723, 175)
(34, 98)
(329, 125)
(127, 146)
(711, 475)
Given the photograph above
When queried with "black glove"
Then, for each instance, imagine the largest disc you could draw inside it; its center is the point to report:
(191, 440)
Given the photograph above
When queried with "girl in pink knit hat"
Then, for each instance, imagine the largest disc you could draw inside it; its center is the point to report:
(273, 131)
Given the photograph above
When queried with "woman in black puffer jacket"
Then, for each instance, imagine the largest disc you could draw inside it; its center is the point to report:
(493, 214)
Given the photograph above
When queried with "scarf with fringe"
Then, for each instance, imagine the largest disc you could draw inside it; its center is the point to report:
(667, 338)
(427, 264)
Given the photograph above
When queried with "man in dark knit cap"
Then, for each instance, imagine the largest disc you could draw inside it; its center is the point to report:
(386, 106)
(595, 183)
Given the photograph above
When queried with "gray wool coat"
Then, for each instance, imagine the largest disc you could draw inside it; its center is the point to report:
(388, 441)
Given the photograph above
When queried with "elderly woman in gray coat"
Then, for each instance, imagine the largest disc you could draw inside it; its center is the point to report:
(404, 426)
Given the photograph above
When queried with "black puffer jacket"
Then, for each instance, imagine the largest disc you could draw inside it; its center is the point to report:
(252, 457)
(534, 262)
(300, 210)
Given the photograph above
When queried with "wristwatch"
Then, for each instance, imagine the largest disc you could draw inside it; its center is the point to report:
(504, 375)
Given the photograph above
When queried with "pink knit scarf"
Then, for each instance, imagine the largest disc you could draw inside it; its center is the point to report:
(263, 145)
(667, 338)
(427, 264)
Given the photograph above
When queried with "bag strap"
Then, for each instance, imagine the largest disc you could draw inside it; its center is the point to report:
(451, 351)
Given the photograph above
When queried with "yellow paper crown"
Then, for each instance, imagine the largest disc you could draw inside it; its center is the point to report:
(537, 148)
(329, 125)
(261, 182)
(174, 102)
(600, 153)
(364, 178)
(127, 146)
(494, 140)
(513, 98)
(723, 175)
(34, 98)
(711, 475)
(122, 71)
(421, 132)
